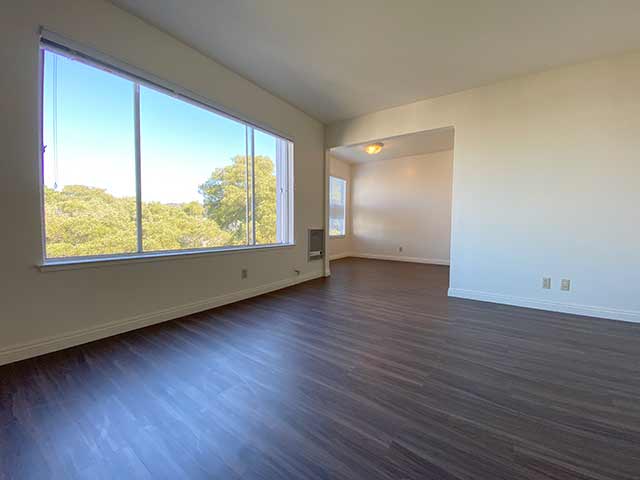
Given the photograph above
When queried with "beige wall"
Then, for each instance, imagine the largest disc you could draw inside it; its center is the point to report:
(341, 247)
(545, 183)
(44, 311)
(403, 203)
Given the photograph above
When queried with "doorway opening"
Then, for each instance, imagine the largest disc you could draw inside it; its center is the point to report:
(391, 198)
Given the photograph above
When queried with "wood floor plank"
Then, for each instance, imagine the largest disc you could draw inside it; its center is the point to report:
(373, 373)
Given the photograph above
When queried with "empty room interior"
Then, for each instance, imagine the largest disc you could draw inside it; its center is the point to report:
(292, 239)
(391, 199)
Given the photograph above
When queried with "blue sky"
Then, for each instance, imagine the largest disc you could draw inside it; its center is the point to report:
(181, 144)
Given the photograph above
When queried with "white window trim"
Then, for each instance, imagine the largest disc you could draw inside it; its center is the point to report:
(77, 263)
(346, 196)
(284, 161)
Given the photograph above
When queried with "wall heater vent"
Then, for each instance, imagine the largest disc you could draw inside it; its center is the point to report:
(316, 244)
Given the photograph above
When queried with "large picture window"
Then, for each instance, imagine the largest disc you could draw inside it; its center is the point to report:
(130, 169)
(337, 207)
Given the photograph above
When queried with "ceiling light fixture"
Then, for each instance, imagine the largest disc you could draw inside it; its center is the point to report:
(374, 148)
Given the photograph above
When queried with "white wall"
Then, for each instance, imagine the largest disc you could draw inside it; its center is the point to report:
(545, 183)
(340, 247)
(403, 202)
(44, 311)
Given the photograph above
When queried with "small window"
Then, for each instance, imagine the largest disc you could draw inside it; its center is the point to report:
(131, 169)
(337, 207)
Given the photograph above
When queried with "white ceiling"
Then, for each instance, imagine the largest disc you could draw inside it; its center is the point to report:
(419, 143)
(336, 59)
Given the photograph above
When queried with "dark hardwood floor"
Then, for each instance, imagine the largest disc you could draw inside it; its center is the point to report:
(371, 374)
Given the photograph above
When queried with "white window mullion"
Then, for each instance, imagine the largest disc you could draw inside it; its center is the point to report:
(280, 192)
(253, 186)
(247, 192)
(290, 188)
(136, 116)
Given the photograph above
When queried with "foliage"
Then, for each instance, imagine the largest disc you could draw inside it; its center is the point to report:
(88, 221)
(84, 221)
(225, 198)
(179, 227)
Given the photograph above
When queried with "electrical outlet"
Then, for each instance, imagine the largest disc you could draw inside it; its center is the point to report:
(244, 273)
(565, 285)
(546, 283)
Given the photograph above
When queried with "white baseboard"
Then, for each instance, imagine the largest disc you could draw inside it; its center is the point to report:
(586, 310)
(78, 337)
(338, 256)
(395, 258)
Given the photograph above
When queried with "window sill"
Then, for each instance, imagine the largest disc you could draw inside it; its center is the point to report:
(337, 236)
(99, 262)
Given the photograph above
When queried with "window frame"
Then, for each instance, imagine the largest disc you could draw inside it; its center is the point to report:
(346, 196)
(285, 185)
